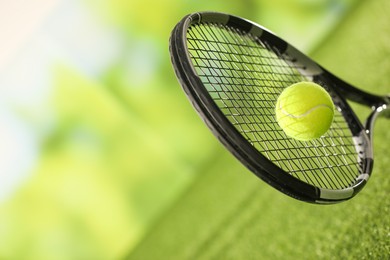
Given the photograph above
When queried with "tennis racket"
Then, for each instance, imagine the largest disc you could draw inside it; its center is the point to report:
(233, 71)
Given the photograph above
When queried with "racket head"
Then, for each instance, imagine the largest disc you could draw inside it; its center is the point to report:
(232, 71)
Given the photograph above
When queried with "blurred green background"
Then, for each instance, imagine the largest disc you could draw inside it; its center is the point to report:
(98, 143)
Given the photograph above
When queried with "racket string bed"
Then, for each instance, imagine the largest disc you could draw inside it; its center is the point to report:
(244, 76)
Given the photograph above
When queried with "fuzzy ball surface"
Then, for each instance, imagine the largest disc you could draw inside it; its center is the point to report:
(304, 111)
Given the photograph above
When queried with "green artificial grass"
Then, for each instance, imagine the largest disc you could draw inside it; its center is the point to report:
(228, 213)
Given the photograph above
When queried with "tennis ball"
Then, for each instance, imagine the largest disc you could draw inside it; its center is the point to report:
(304, 111)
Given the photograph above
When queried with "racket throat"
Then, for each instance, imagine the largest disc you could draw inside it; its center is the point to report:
(384, 110)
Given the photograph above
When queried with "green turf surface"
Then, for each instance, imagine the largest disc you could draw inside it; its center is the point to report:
(229, 214)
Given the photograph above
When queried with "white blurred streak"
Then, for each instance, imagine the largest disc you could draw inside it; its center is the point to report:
(82, 39)
(19, 19)
(24, 82)
(19, 78)
(18, 151)
(34, 37)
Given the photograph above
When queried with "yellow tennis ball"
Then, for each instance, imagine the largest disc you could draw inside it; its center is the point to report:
(304, 111)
